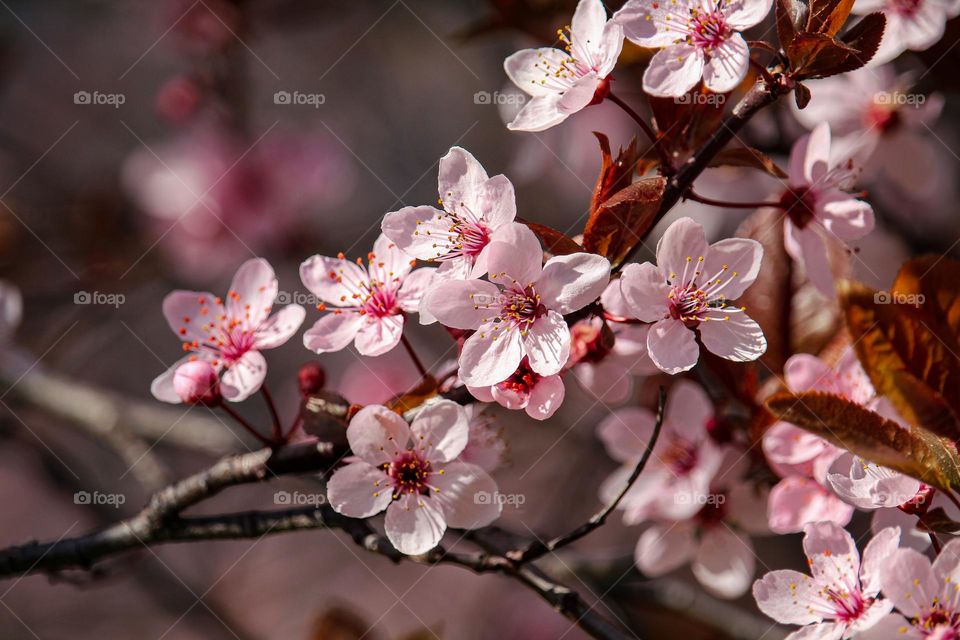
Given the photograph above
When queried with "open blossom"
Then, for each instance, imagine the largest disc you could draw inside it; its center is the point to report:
(540, 396)
(700, 39)
(415, 474)
(475, 206)
(690, 290)
(519, 312)
(840, 598)
(715, 541)
(867, 485)
(365, 306)
(911, 24)
(925, 595)
(231, 335)
(802, 459)
(604, 356)
(562, 82)
(677, 478)
(818, 206)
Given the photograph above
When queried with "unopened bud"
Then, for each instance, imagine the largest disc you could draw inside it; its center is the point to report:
(197, 383)
(311, 378)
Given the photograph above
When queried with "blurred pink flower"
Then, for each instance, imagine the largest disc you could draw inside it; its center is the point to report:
(540, 396)
(676, 480)
(423, 485)
(819, 207)
(486, 447)
(230, 337)
(866, 485)
(914, 25)
(366, 306)
(607, 370)
(563, 82)
(699, 39)
(841, 599)
(475, 206)
(691, 288)
(522, 314)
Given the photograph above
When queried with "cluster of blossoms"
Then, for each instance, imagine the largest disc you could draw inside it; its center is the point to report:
(526, 321)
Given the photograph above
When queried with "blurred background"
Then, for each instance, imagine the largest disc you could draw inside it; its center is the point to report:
(153, 145)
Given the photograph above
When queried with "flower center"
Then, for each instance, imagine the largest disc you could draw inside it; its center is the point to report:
(590, 341)
(409, 472)
(380, 301)
(687, 302)
(906, 8)
(882, 117)
(707, 30)
(523, 380)
(848, 606)
(800, 206)
(680, 456)
(941, 619)
(228, 338)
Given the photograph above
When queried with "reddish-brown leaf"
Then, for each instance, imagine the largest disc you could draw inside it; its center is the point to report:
(624, 220)
(747, 157)
(557, 243)
(615, 173)
(791, 18)
(828, 16)
(426, 389)
(912, 451)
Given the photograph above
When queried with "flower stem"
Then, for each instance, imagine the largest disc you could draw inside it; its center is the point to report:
(647, 130)
(935, 542)
(696, 197)
(246, 425)
(414, 356)
(277, 430)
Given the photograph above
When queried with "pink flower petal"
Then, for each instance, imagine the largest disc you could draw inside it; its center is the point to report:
(441, 431)
(647, 24)
(831, 553)
(545, 398)
(388, 263)
(625, 433)
(796, 501)
(359, 490)
(569, 283)
(743, 14)
(252, 292)
(880, 547)
(333, 280)
(807, 247)
(414, 286)
(376, 434)
(418, 231)
(515, 256)
(547, 344)
(606, 380)
(742, 259)
(162, 386)
(688, 410)
(332, 332)
(244, 377)
(736, 336)
(188, 312)
(468, 495)
(460, 178)
(539, 114)
(672, 346)
(580, 94)
(644, 290)
(909, 582)
(673, 71)
(788, 596)
(377, 336)
(661, 549)
(725, 562)
(414, 524)
(524, 69)
(490, 356)
(463, 304)
(727, 66)
(680, 247)
(845, 216)
(279, 327)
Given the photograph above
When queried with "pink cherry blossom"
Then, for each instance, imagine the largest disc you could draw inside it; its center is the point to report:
(230, 336)
(365, 306)
(715, 541)
(867, 485)
(688, 291)
(841, 596)
(604, 357)
(819, 207)
(540, 396)
(685, 460)
(475, 206)
(197, 382)
(562, 82)
(914, 25)
(415, 474)
(700, 39)
(925, 595)
(519, 312)
(486, 447)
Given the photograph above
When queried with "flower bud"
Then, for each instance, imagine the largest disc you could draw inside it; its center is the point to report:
(311, 378)
(197, 383)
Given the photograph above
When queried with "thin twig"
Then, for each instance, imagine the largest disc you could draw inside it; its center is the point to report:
(277, 429)
(647, 130)
(538, 549)
(414, 356)
(246, 425)
(696, 197)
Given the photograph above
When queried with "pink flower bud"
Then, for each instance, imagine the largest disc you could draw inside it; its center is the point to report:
(311, 378)
(197, 383)
(178, 99)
